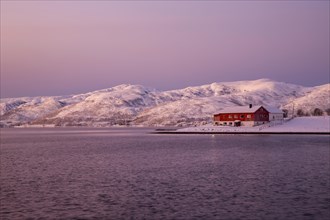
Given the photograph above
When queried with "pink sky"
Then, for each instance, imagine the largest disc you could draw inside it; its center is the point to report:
(58, 47)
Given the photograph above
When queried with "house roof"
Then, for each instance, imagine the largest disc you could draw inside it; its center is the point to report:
(247, 109)
(240, 109)
(273, 110)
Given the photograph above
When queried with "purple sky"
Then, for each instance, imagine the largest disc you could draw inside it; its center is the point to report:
(58, 47)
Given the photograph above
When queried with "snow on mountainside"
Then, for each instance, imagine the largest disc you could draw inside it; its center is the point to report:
(180, 112)
(9, 105)
(28, 111)
(319, 97)
(104, 107)
(198, 104)
(137, 105)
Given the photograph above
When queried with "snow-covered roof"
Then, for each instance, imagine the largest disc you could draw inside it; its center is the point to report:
(273, 110)
(247, 109)
(240, 109)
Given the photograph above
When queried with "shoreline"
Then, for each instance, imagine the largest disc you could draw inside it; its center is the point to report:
(232, 132)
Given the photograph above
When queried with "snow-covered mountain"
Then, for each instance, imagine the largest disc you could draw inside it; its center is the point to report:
(138, 105)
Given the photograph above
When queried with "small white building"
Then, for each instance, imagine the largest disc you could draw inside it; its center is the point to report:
(275, 114)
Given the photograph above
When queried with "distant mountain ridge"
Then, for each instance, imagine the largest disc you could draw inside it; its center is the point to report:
(141, 106)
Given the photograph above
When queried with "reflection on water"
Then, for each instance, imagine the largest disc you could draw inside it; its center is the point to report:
(130, 174)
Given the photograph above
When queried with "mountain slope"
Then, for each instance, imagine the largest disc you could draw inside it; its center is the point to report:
(198, 104)
(137, 105)
(319, 97)
(104, 107)
(29, 111)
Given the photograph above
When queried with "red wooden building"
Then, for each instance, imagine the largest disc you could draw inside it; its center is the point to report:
(242, 115)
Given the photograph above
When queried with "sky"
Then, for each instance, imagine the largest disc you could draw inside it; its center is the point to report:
(71, 47)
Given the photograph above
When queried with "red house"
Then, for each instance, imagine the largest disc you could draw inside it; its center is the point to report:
(242, 115)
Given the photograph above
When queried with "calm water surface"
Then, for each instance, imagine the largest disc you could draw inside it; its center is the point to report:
(130, 174)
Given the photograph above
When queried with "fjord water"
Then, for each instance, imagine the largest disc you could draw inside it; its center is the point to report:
(132, 174)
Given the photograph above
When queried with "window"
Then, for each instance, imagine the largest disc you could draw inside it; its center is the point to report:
(242, 116)
(230, 116)
(230, 123)
(248, 116)
(235, 116)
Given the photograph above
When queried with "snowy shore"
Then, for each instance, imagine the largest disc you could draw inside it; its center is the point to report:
(297, 125)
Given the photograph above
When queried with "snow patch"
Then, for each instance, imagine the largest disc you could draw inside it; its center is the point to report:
(299, 124)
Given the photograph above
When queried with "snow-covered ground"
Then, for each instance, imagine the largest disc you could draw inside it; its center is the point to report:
(299, 124)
